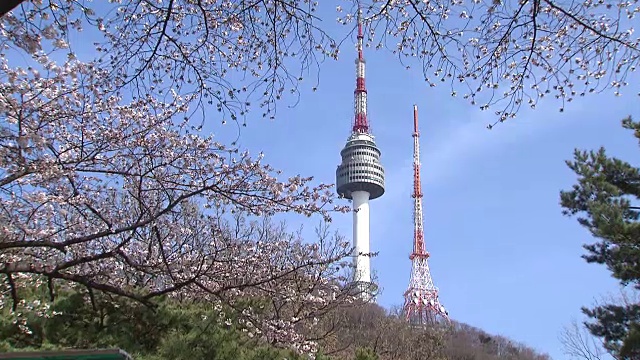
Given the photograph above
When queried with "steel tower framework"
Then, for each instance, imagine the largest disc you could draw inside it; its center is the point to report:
(421, 301)
(360, 176)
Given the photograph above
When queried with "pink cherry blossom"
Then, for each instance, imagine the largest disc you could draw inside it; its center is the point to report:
(117, 195)
(505, 54)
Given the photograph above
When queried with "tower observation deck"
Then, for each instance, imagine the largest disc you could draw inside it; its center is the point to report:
(360, 176)
(360, 169)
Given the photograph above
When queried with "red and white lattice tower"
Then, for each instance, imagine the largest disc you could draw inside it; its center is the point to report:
(421, 302)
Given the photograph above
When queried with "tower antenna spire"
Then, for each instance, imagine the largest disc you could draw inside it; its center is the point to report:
(418, 232)
(360, 123)
(422, 304)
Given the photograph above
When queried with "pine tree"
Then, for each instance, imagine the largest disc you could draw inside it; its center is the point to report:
(606, 200)
(365, 354)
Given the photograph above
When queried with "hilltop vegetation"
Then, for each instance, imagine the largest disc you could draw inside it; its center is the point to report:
(188, 330)
(387, 335)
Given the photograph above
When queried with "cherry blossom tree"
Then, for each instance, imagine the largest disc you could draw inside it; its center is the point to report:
(219, 54)
(121, 196)
(502, 54)
(107, 183)
(499, 55)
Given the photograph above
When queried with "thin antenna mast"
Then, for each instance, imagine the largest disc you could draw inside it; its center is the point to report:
(360, 123)
(421, 301)
(418, 231)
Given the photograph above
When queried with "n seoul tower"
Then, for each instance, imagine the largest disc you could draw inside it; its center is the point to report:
(360, 176)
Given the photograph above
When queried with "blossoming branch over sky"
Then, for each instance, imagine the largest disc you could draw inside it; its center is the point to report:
(106, 130)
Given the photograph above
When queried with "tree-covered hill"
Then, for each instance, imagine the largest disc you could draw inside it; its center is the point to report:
(387, 335)
(188, 330)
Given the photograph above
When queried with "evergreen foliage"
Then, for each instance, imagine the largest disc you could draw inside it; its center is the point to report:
(606, 201)
(365, 354)
(173, 330)
(170, 330)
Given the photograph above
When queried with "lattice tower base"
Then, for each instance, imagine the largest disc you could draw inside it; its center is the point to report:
(422, 305)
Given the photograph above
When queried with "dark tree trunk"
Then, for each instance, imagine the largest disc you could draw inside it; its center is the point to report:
(8, 5)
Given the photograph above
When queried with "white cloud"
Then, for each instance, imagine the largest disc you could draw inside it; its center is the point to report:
(447, 150)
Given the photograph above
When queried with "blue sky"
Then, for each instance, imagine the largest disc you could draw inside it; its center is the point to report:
(503, 256)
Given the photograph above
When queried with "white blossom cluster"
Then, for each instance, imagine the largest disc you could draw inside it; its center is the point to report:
(118, 197)
(504, 54)
(221, 54)
(118, 192)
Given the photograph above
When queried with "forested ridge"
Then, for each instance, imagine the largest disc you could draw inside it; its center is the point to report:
(173, 329)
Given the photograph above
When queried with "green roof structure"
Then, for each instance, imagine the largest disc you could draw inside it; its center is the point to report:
(108, 354)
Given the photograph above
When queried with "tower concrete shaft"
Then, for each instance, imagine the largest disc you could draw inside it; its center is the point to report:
(421, 301)
(360, 176)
